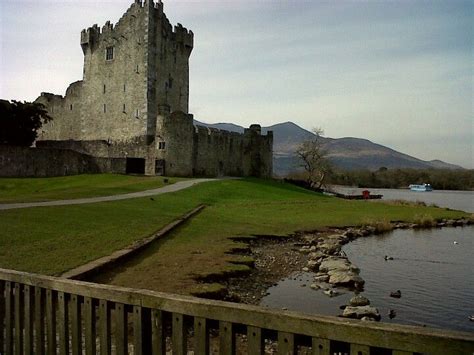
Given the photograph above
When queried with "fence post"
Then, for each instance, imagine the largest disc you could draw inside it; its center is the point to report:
(8, 318)
(255, 340)
(178, 337)
(19, 318)
(76, 325)
(105, 333)
(320, 346)
(28, 306)
(89, 325)
(286, 343)
(39, 321)
(227, 338)
(357, 349)
(51, 320)
(201, 337)
(158, 337)
(2, 315)
(121, 329)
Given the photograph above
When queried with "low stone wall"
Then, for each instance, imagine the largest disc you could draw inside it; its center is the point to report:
(44, 162)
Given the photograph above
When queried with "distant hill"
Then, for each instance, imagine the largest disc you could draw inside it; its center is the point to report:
(347, 153)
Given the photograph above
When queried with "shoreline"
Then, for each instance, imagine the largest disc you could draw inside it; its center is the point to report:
(318, 252)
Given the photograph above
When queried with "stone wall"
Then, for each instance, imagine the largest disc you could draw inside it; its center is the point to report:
(129, 69)
(133, 103)
(43, 162)
(218, 152)
(135, 148)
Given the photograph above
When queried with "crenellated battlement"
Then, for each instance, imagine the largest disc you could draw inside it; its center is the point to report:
(182, 35)
(134, 99)
(91, 36)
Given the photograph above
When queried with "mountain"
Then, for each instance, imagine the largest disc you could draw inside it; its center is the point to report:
(346, 153)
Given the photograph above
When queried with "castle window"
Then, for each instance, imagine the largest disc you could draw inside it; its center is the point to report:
(161, 145)
(70, 107)
(105, 108)
(104, 88)
(136, 70)
(124, 111)
(137, 114)
(124, 87)
(109, 53)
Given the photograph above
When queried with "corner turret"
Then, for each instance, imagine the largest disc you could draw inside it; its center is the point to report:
(89, 38)
(184, 38)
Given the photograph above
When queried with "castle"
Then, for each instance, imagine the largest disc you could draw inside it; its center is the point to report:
(132, 105)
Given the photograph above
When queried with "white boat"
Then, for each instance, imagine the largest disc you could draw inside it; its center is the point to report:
(420, 188)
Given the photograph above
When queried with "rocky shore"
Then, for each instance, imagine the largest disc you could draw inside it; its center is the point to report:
(319, 252)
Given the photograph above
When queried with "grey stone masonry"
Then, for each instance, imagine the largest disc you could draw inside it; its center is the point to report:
(133, 103)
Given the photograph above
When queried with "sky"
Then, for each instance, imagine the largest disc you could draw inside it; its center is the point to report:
(399, 73)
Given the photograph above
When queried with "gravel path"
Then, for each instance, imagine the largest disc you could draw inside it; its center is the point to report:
(162, 190)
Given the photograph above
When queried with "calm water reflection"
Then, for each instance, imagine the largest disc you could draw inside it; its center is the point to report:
(435, 275)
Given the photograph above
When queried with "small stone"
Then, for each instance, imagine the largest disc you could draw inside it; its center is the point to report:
(331, 293)
(313, 265)
(314, 286)
(305, 269)
(322, 278)
(396, 294)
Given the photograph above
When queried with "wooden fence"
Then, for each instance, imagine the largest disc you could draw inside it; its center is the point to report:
(48, 315)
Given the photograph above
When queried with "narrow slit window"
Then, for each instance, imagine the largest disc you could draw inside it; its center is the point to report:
(104, 88)
(136, 69)
(105, 108)
(124, 87)
(124, 110)
(137, 114)
(70, 107)
(109, 53)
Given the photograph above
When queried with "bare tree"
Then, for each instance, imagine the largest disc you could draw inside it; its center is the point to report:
(313, 159)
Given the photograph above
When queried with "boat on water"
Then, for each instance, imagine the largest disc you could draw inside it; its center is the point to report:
(420, 188)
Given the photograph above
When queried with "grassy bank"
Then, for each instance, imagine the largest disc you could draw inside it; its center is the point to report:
(54, 239)
(71, 187)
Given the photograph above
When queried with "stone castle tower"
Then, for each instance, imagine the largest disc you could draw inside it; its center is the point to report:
(133, 103)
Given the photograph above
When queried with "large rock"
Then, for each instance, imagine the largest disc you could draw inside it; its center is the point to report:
(316, 255)
(358, 301)
(361, 312)
(330, 247)
(339, 264)
(346, 279)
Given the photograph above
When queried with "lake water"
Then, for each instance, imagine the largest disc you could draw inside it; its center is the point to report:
(434, 274)
(458, 200)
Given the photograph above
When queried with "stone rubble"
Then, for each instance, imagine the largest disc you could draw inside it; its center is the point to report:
(318, 252)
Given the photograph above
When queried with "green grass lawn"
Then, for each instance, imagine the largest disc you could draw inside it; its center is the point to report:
(71, 187)
(54, 239)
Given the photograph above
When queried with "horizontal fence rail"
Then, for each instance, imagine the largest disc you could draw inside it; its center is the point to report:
(49, 315)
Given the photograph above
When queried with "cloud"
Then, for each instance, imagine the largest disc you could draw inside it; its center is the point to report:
(398, 73)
